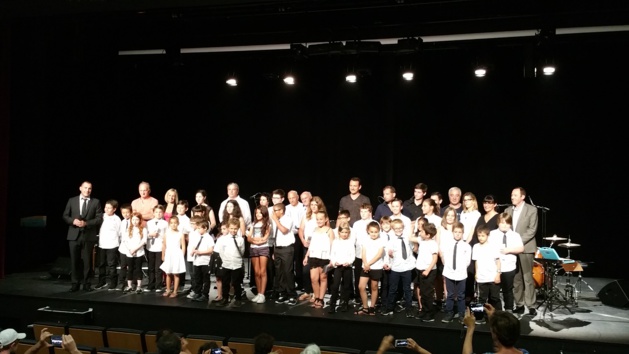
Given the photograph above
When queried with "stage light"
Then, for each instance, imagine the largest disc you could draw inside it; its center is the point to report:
(548, 70)
(480, 71)
(408, 75)
(289, 80)
(231, 81)
(351, 78)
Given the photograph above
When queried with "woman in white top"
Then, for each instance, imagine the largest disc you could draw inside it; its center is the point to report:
(469, 215)
(307, 226)
(258, 236)
(318, 257)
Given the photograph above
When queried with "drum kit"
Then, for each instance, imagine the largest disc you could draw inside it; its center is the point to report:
(545, 273)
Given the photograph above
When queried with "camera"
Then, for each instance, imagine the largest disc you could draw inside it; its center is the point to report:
(55, 341)
(215, 351)
(401, 343)
(478, 310)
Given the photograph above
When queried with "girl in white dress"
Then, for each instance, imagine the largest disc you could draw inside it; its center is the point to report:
(173, 261)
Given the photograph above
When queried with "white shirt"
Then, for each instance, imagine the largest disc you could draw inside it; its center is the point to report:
(360, 230)
(485, 256)
(343, 251)
(207, 242)
(154, 244)
(230, 255)
(320, 244)
(244, 208)
(469, 220)
(135, 241)
(284, 239)
(397, 262)
(184, 224)
(516, 216)
(296, 213)
(257, 233)
(463, 259)
(424, 254)
(507, 261)
(123, 232)
(434, 219)
(371, 248)
(193, 239)
(109, 235)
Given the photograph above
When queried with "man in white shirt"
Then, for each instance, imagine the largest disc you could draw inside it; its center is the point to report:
(284, 255)
(296, 211)
(232, 194)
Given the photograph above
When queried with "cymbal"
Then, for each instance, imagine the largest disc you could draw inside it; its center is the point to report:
(555, 238)
(569, 245)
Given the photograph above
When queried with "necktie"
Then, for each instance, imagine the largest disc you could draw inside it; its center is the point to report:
(84, 208)
(403, 249)
(504, 240)
(198, 244)
(454, 255)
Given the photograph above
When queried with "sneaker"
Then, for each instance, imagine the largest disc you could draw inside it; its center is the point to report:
(112, 288)
(281, 299)
(148, 290)
(332, 309)
(237, 303)
(448, 317)
(399, 308)
(200, 298)
(191, 295)
(292, 301)
(428, 318)
(386, 312)
(120, 287)
(255, 298)
(222, 303)
(409, 313)
(420, 315)
(128, 289)
(102, 286)
(261, 299)
(158, 290)
(343, 307)
(140, 291)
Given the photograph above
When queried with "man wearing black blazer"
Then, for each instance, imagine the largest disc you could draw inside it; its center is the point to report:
(84, 215)
(524, 223)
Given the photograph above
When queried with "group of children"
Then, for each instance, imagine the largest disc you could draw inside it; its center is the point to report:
(170, 247)
(397, 256)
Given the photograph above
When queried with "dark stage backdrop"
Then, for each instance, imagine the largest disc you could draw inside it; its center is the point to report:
(80, 112)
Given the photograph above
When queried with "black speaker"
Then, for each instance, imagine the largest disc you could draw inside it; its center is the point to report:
(615, 293)
(61, 268)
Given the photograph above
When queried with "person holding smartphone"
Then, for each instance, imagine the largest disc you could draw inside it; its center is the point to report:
(388, 342)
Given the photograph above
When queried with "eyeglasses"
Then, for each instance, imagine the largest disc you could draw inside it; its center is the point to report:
(277, 209)
(467, 200)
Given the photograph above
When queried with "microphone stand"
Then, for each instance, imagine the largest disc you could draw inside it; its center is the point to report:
(544, 210)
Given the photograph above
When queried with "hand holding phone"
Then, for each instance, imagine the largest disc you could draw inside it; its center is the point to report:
(401, 343)
(56, 341)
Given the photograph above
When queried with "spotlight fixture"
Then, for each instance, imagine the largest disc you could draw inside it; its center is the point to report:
(289, 79)
(548, 69)
(231, 81)
(351, 78)
(480, 71)
(408, 75)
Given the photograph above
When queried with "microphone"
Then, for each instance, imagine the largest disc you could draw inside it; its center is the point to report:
(254, 196)
(504, 205)
(381, 199)
(531, 200)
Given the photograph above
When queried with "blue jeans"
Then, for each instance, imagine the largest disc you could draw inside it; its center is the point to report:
(456, 289)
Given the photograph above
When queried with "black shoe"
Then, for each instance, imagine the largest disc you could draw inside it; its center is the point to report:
(343, 307)
(200, 298)
(519, 310)
(222, 303)
(532, 312)
(409, 313)
(420, 315)
(87, 288)
(281, 299)
(386, 312)
(332, 309)
(102, 286)
(291, 301)
(237, 303)
(74, 288)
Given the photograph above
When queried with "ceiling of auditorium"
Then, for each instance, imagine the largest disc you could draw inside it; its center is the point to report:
(209, 23)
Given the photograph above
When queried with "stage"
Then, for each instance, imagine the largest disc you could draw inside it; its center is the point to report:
(592, 327)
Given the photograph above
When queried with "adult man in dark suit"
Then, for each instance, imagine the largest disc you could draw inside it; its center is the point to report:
(524, 223)
(84, 215)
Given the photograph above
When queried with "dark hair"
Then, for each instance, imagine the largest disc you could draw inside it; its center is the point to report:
(263, 343)
(279, 192)
(113, 203)
(505, 328)
(169, 344)
(207, 345)
(484, 228)
(183, 202)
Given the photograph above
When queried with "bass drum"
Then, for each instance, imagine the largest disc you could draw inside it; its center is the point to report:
(538, 274)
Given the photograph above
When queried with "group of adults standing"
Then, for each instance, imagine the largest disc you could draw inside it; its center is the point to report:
(84, 215)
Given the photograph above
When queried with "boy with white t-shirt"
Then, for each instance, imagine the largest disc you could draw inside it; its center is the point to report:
(202, 249)
(108, 242)
(487, 268)
(510, 245)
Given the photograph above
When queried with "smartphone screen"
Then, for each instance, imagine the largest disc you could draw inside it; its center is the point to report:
(401, 343)
(55, 340)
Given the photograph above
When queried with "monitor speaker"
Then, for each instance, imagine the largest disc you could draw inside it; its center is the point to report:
(615, 293)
